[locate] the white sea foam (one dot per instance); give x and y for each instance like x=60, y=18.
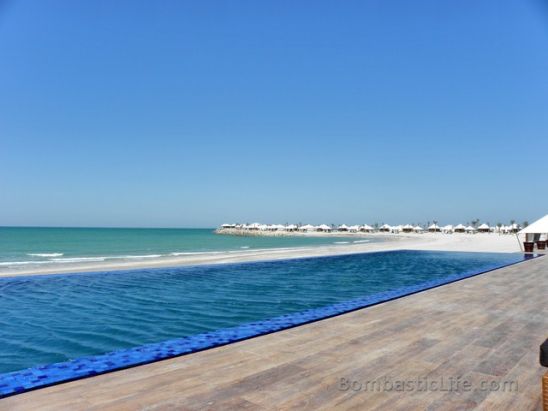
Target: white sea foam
x=138, y=256
x=77, y=259
x=12, y=263
x=341, y=242
x=45, y=254
x=361, y=241
x=196, y=253
x=245, y=247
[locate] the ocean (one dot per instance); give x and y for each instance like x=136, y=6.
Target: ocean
x=28, y=247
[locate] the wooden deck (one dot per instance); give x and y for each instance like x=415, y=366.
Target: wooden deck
x=487, y=328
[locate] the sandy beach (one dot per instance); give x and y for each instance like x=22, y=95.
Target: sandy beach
x=427, y=241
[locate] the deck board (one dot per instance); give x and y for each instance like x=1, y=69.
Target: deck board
x=485, y=328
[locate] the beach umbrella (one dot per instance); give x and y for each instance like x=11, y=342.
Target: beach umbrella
x=354, y=228
x=307, y=227
x=324, y=227
x=418, y=228
x=343, y=227
x=366, y=227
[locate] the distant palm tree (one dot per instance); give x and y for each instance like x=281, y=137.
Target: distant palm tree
x=525, y=224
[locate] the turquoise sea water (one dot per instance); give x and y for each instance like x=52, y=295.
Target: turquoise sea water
x=53, y=318
x=22, y=247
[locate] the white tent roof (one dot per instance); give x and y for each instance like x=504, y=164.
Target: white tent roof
x=434, y=227
x=408, y=226
x=354, y=227
x=448, y=227
x=386, y=226
x=460, y=227
x=470, y=228
x=343, y=226
x=291, y=227
x=324, y=227
x=538, y=227
x=366, y=227
x=307, y=227
x=484, y=227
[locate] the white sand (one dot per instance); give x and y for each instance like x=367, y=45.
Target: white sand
x=427, y=241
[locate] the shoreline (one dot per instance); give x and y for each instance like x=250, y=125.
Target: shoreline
x=425, y=241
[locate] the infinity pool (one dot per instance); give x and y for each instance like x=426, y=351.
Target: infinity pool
x=47, y=319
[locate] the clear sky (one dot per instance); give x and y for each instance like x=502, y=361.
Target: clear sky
x=194, y=113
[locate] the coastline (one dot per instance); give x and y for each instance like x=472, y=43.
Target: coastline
x=425, y=241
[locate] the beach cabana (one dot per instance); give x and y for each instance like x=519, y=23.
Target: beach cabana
x=484, y=228
x=366, y=228
x=434, y=228
x=408, y=228
x=385, y=228
x=470, y=229
x=290, y=227
x=307, y=227
x=342, y=227
x=418, y=229
x=447, y=229
x=354, y=228
x=323, y=228
x=534, y=233
x=459, y=229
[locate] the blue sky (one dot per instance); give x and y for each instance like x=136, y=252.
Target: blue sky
x=180, y=113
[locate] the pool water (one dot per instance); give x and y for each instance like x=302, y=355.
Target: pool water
x=54, y=318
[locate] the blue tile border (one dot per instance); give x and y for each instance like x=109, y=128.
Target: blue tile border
x=18, y=382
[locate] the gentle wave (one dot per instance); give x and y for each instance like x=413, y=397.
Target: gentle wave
x=361, y=241
x=102, y=258
x=138, y=256
x=77, y=259
x=10, y=263
x=245, y=247
x=45, y=254
x=341, y=242
x=197, y=253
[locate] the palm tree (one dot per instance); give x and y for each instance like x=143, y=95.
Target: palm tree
x=525, y=224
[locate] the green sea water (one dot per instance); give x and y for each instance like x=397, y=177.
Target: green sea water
x=21, y=247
